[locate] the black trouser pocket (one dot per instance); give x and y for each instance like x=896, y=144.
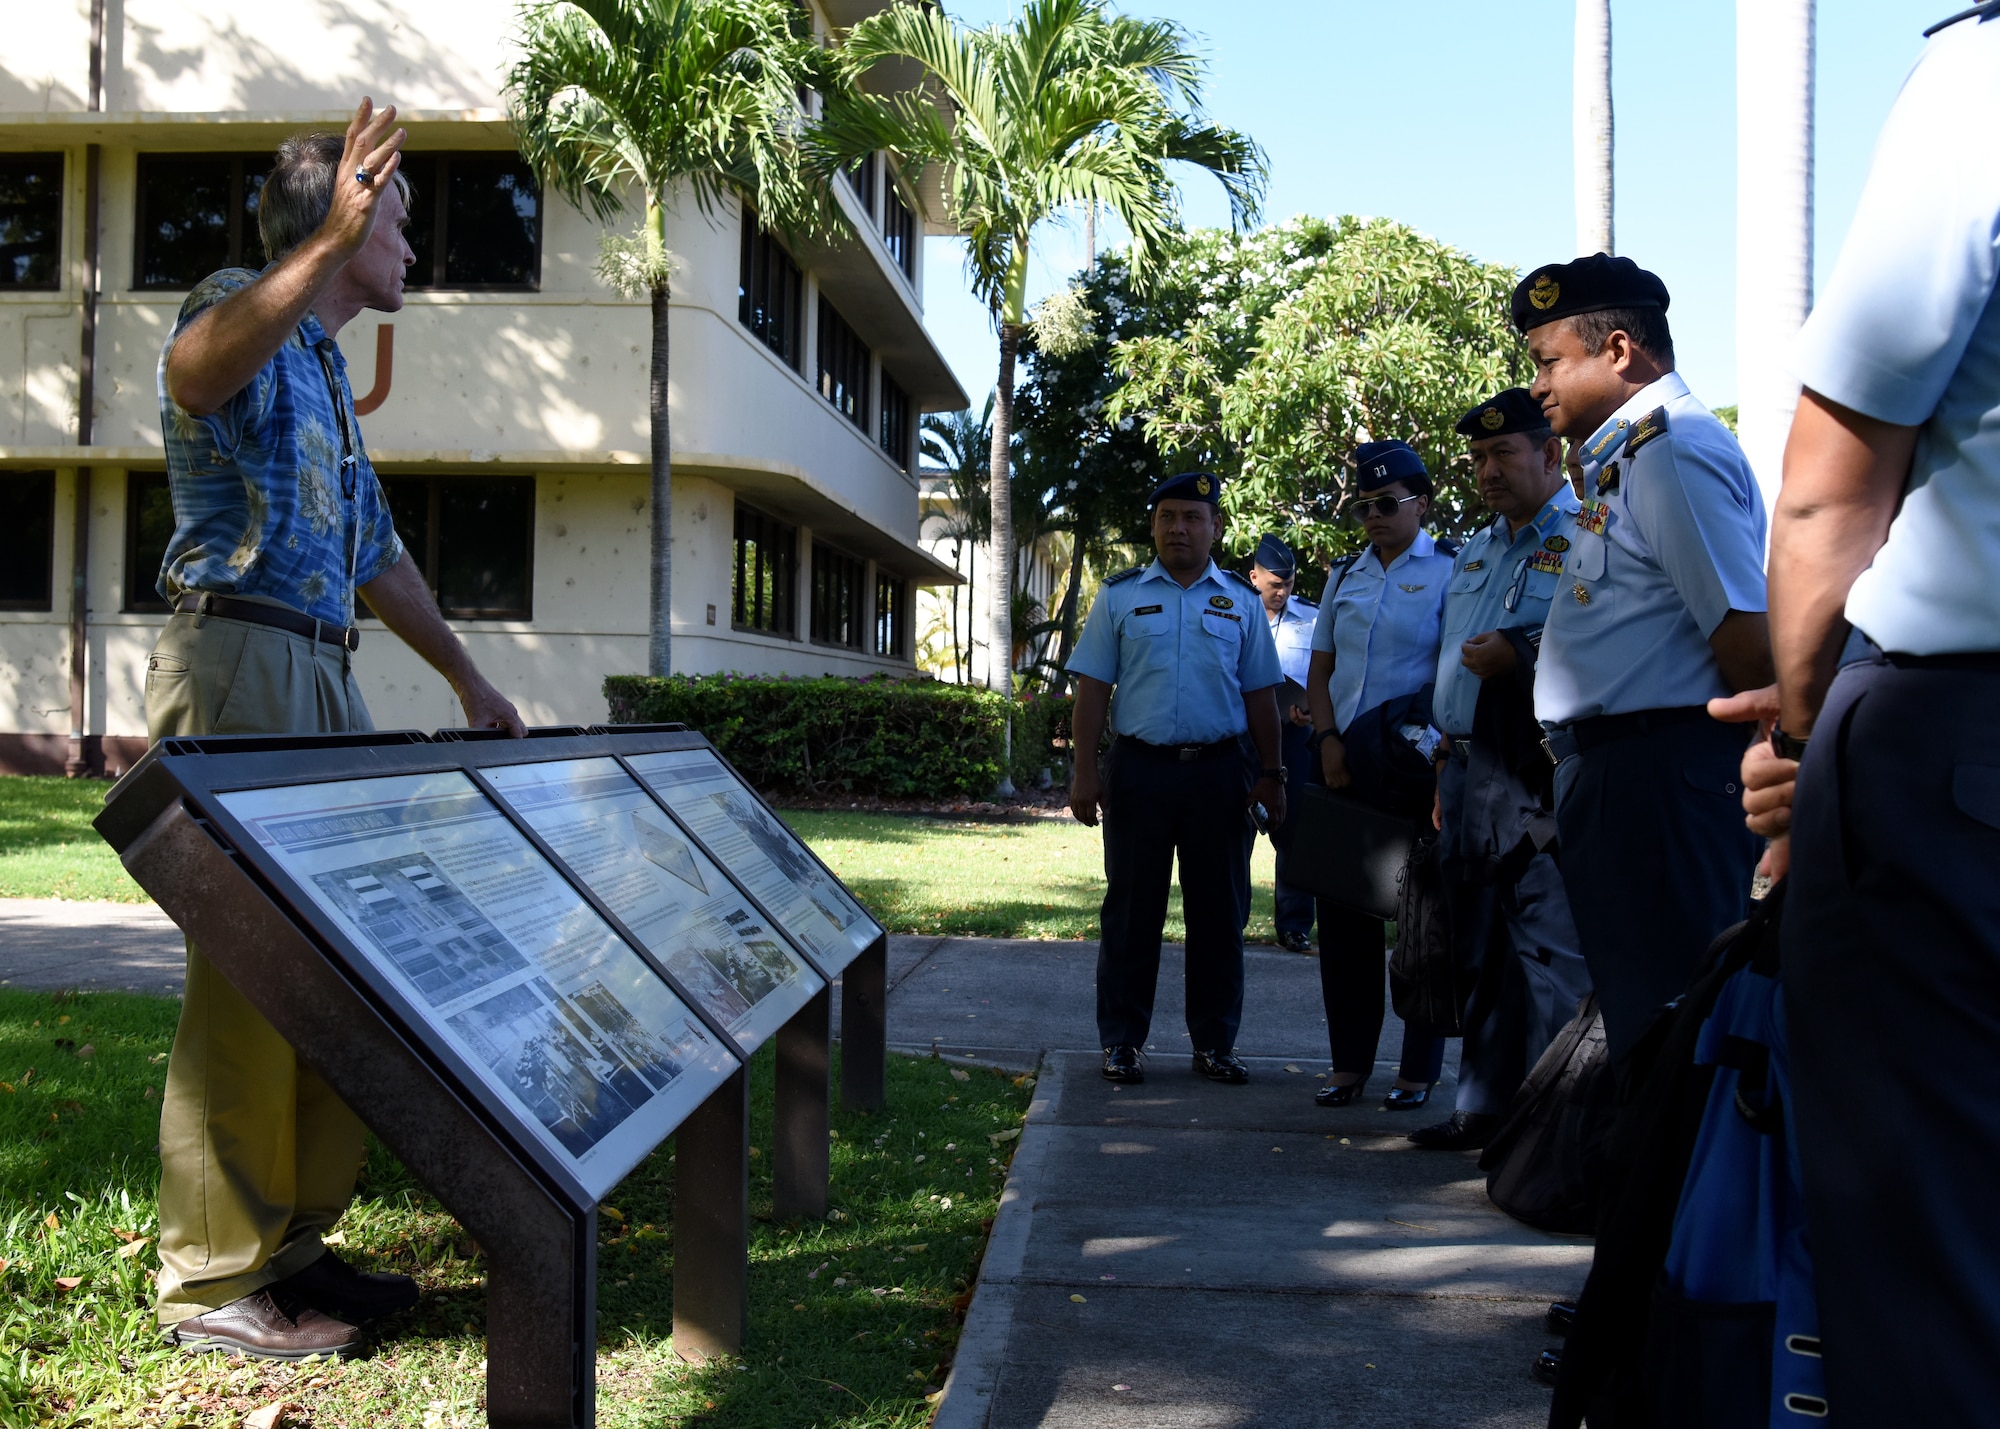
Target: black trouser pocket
x=1708, y=1365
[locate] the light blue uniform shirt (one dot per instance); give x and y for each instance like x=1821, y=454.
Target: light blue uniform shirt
x=1292, y=632
x=1501, y=581
x=1906, y=331
x=1382, y=627
x=1180, y=660
x=1668, y=540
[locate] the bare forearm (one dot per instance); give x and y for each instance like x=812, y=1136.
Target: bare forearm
x=1844, y=474
x=1093, y=699
x=1742, y=646
x=224, y=348
x=1318, y=699
x=1260, y=707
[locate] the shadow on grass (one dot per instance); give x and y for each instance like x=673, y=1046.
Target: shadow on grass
x=38, y=813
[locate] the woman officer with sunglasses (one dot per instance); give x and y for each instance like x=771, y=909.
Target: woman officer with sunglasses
x=1376, y=641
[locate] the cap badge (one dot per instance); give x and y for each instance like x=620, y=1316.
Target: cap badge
x=1203, y=485
x=1493, y=419
x=1222, y=602
x=1545, y=293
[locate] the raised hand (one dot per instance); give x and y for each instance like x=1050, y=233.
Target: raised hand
x=373, y=146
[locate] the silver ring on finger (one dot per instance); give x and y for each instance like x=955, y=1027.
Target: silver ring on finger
x=364, y=178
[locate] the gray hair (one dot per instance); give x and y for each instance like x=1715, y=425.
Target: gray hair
x=299, y=191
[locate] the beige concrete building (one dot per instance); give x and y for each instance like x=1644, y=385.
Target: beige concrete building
x=504, y=406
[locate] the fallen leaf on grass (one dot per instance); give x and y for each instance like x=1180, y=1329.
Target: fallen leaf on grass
x=337, y=1238
x=613, y=1212
x=132, y=1248
x=88, y=1049
x=1293, y=1067
x=7, y=1087
x=269, y=1417
x=51, y=1221
x=959, y=1074
x=68, y=1282
x=999, y=1136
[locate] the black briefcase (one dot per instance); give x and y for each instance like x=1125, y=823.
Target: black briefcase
x=1347, y=851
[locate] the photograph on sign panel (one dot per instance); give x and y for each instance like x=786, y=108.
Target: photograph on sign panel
x=685, y=910
x=513, y=967
x=806, y=900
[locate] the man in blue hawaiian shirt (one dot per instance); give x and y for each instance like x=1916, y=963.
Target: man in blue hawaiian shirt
x=278, y=523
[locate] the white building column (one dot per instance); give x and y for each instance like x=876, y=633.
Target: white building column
x=1774, y=221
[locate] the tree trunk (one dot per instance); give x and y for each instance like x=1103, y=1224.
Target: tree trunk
x=957, y=669
x=1774, y=220
x=1591, y=127
x=1000, y=562
x=1066, y=635
x=660, y=631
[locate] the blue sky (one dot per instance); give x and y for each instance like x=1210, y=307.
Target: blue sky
x=1454, y=117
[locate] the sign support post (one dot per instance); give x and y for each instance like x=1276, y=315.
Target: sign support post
x=864, y=1027
x=712, y=1223
x=801, y=1150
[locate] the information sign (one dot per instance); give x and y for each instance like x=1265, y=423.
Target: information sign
x=664, y=889
x=455, y=907
x=808, y=902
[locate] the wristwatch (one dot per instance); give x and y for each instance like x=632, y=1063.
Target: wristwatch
x=1277, y=774
x=1786, y=746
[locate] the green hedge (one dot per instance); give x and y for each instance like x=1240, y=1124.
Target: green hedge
x=910, y=738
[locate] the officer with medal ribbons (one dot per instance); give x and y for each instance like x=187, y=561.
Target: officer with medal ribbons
x=1660, y=607
x=1528, y=972
x=1186, y=648
x=1274, y=571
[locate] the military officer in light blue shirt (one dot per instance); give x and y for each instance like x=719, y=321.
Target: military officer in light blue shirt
x=1888, y=524
x=1185, y=646
x=1514, y=915
x=1274, y=571
x=1660, y=607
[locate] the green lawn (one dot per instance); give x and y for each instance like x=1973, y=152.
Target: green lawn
x=853, y=1321
x=969, y=878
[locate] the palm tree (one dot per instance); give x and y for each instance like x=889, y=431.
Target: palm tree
x=1591, y=127
x=616, y=100
x=1774, y=219
x=955, y=444
x=1067, y=105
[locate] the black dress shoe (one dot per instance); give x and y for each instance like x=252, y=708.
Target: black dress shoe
x=1466, y=1131
x=1330, y=1095
x=267, y=1327
x=1222, y=1067
x=1548, y=1367
x=1121, y=1064
x=1403, y=1099
x=333, y=1287
x=1295, y=942
x=1561, y=1319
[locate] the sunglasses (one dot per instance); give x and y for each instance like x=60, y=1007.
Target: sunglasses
x=1383, y=506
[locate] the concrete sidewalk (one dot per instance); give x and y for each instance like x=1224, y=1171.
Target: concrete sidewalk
x=1243, y=1258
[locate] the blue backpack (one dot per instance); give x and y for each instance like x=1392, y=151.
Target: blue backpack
x=1733, y=1338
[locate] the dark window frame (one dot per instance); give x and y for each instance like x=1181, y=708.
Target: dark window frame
x=241, y=229
x=892, y=426
x=429, y=560
x=764, y=267
x=892, y=599
x=899, y=227
x=439, y=182
x=839, y=583
x=142, y=595
x=860, y=177
x=843, y=366
x=26, y=162
x=766, y=534
x=46, y=479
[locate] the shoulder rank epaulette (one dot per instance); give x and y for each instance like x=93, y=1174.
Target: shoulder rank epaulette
x=1302, y=603
x=1244, y=581
x=1982, y=12
x=1124, y=575
x=1653, y=424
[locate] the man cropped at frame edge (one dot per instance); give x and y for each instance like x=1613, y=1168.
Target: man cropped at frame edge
x=279, y=522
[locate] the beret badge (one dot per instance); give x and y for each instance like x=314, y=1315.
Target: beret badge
x=1203, y=485
x=1545, y=293
x=1493, y=419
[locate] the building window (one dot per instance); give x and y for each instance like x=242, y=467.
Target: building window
x=765, y=593
x=899, y=229
x=31, y=220
x=28, y=516
x=862, y=178
x=836, y=597
x=843, y=366
x=149, y=525
x=770, y=292
x=197, y=213
x=894, y=431
x=892, y=596
x=475, y=222
x=474, y=539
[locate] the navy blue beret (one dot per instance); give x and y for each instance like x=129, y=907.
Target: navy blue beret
x=1276, y=557
x=1188, y=486
x=1587, y=285
x=1377, y=464
x=1510, y=411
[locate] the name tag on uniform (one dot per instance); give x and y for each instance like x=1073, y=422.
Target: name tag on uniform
x=1592, y=515
x=1475, y=565
x=1149, y=610
x=1224, y=615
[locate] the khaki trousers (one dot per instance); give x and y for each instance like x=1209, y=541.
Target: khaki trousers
x=257, y=1155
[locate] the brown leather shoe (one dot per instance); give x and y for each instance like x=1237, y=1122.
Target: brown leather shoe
x=258, y=1327
x=333, y=1287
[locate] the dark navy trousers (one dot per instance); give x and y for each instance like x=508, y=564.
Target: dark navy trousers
x=1891, y=955
x=1157, y=810
x=1354, y=985
x=1656, y=861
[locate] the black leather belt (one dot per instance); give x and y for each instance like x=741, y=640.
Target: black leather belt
x=1184, y=753
x=276, y=616
x=1600, y=730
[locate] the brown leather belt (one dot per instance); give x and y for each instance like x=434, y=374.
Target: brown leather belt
x=276, y=616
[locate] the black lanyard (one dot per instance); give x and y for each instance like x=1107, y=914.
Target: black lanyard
x=349, y=462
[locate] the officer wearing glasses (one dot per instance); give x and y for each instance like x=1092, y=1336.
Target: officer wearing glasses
x=1376, y=641
x=1187, y=648
x=1494, y=777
